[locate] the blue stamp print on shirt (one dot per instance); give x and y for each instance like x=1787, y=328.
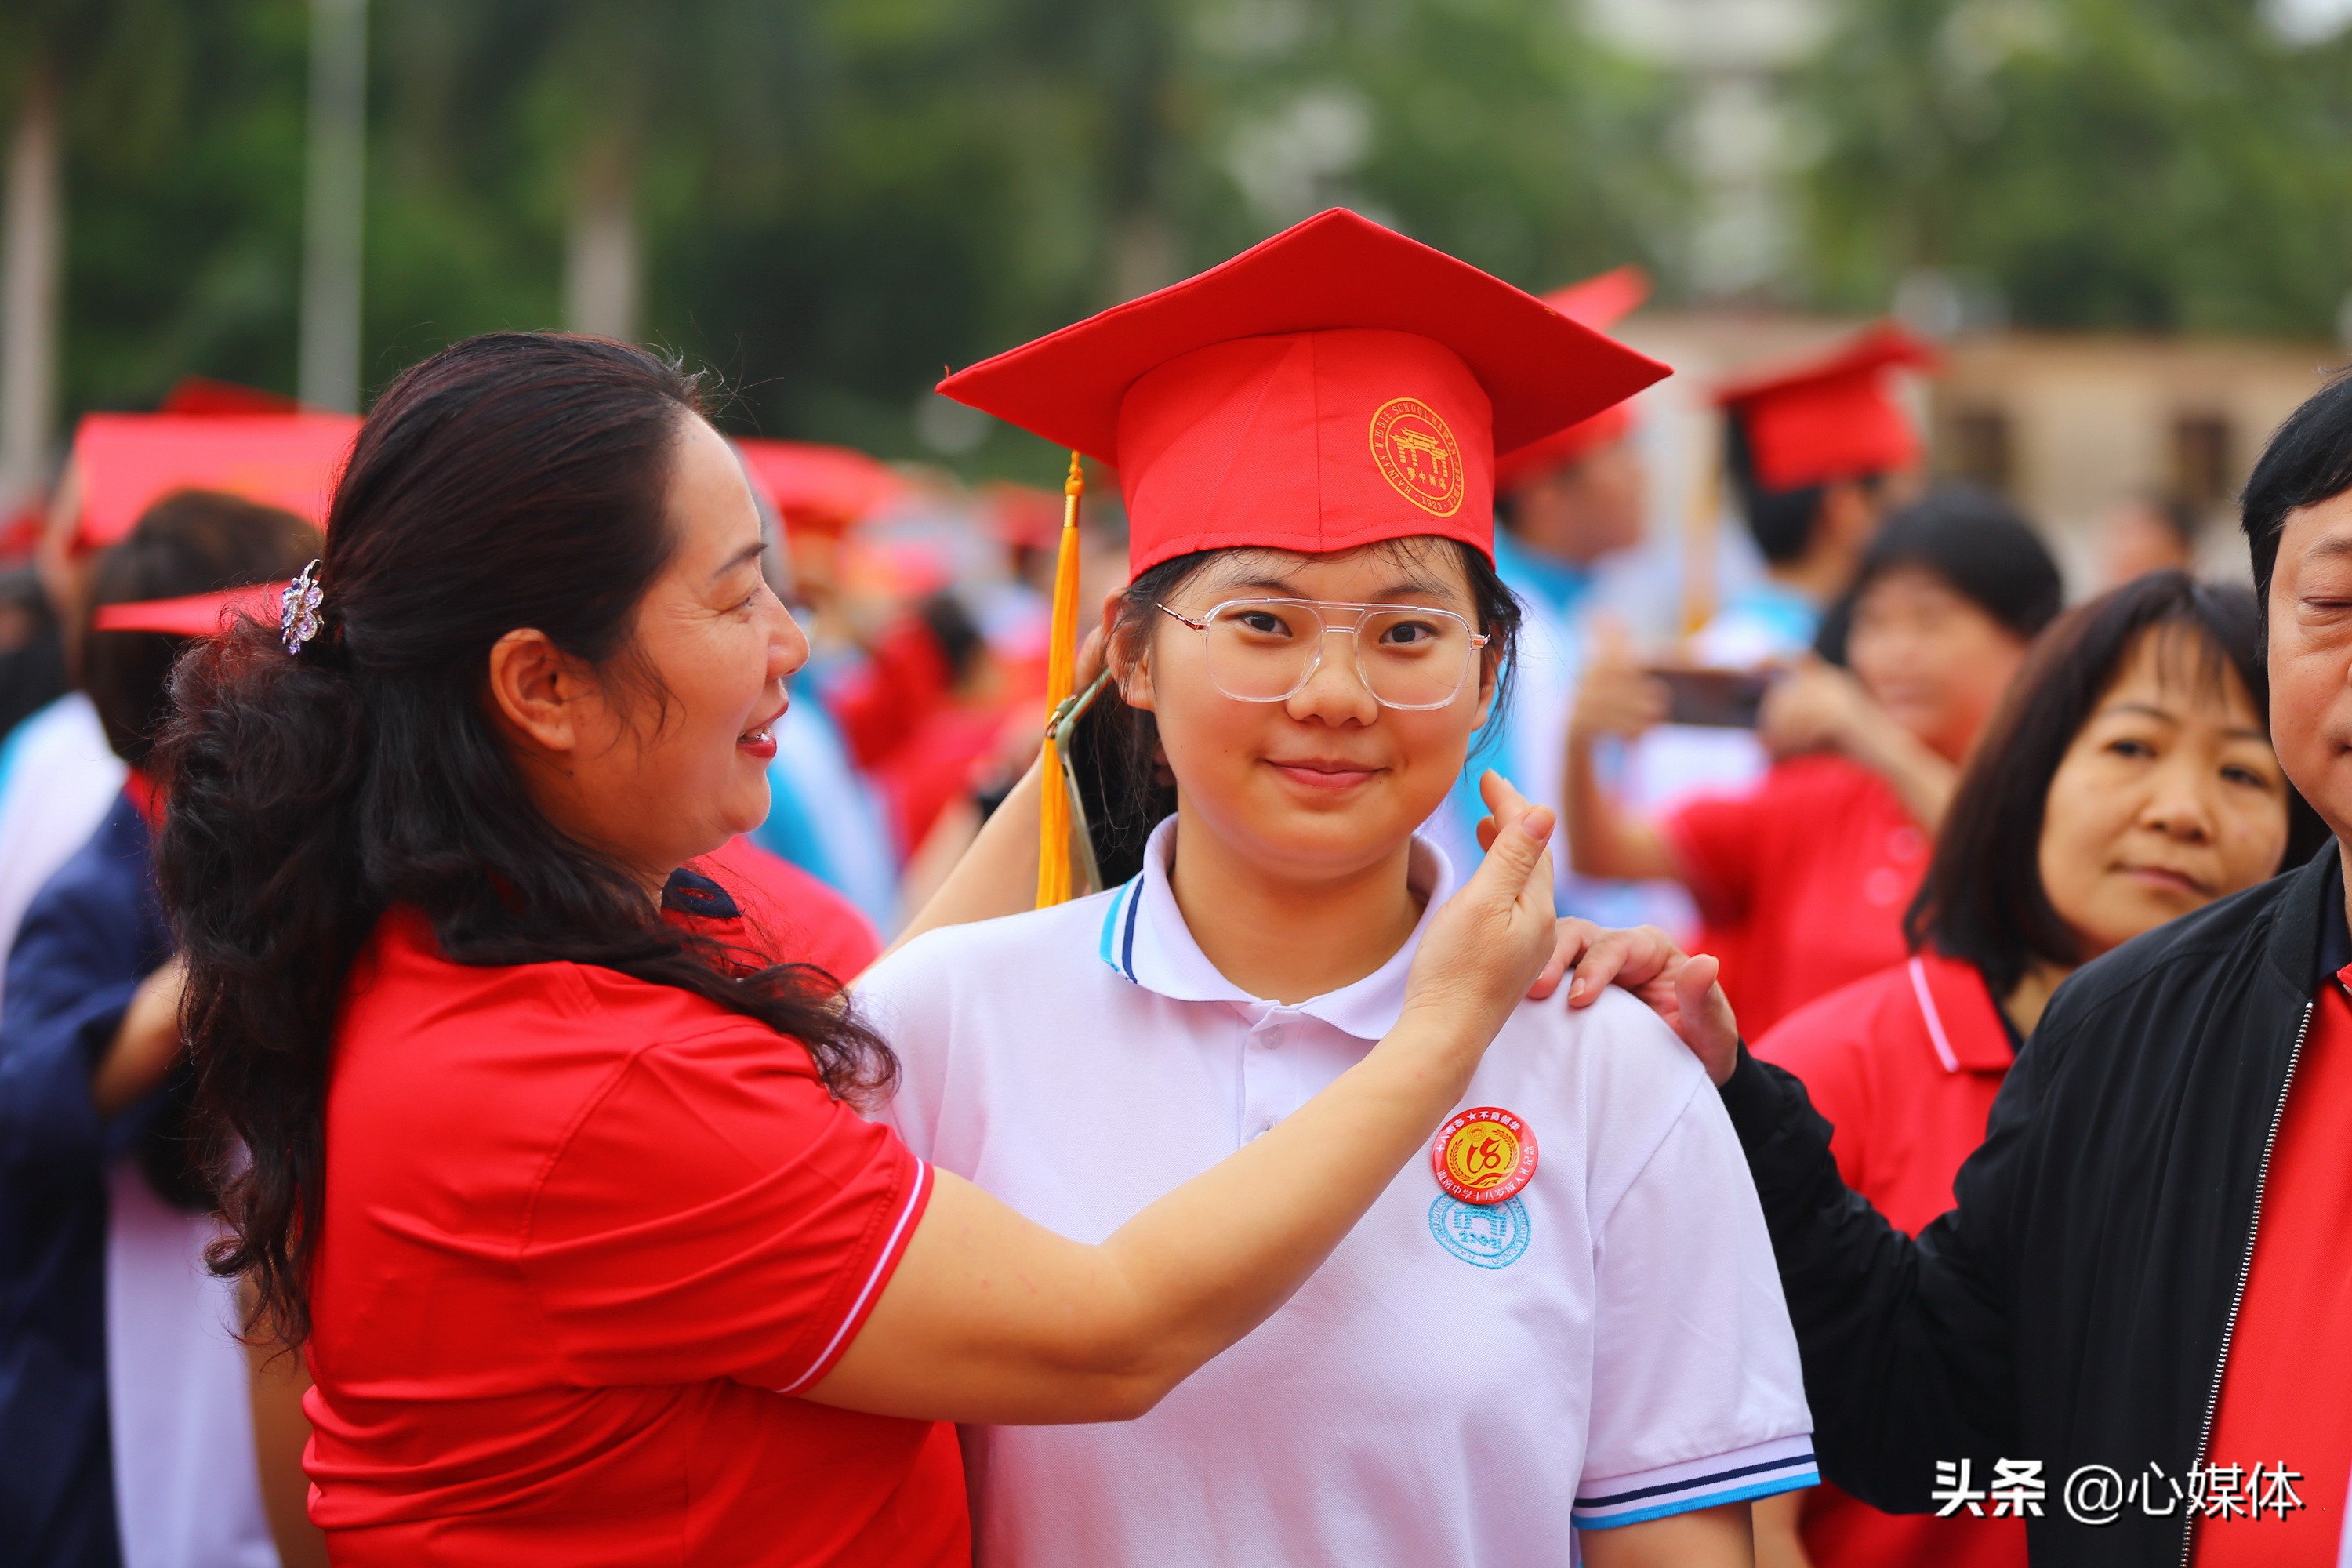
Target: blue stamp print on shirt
x=1491, y=1235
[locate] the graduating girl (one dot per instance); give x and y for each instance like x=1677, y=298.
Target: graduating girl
x=1566, y=1318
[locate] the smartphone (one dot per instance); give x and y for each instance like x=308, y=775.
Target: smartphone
x=1718, y=699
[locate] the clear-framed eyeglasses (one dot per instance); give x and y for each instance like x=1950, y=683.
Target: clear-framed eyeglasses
x=1265, y=651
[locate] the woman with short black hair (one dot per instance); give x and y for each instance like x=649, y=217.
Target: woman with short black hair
x=2127, y=780
x=2129, y=1325
x=1803, y=877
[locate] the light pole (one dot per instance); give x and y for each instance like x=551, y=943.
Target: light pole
x=332, y=206
x=31, y=248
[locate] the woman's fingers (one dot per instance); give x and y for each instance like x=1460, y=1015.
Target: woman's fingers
x=1632, y=958
x=1570, y=937
x=1490, y=941
x=1092, y=652
x=1703, y=1018
x=1680, y=988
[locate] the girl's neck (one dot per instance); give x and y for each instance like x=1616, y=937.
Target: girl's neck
x=2030, y=994
x=1288, y=938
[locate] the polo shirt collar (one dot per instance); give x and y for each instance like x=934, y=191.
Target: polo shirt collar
x=1964, y=1023
x=1145, y=938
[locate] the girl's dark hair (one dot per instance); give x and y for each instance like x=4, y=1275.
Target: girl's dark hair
x=1123, y=781
x=191, y=541
x=1976, y=543
x=1780, y=522
x=1982, y=899
x=517, y=480
x=32, y=654
x=2308, y=460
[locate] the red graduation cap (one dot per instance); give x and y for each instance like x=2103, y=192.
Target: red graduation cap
x=1600, y=303
x=129, y=461
x=1336, y=385
x=819, y=486
x=203, y=395
x=1832, y=418
x=195, y=615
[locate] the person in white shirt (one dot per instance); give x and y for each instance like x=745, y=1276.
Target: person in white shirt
x=1564, y=1329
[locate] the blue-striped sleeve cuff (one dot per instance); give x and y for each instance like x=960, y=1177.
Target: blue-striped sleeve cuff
x=1783, y=1464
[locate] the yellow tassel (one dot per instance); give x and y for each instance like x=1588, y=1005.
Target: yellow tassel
x=1061, y=678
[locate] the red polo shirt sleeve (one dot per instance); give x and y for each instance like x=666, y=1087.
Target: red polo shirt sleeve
x=1714, y=841
x=715, y=1214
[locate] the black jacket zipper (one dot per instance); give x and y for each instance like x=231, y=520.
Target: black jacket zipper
x=2238, y=1295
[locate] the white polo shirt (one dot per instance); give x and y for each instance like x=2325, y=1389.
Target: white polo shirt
x=1457, y=1384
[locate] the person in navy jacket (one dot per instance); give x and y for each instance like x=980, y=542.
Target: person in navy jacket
x=95, y=1095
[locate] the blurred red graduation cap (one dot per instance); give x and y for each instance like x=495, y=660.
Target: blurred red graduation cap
x=1335, y=385
x=126, y=462
x=1023, y=514
x=195, y=615
x=1600, y=303
x=203, y=395
x=813, y=486
x=1834, y=417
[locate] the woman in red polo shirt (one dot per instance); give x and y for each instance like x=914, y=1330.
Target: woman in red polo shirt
x=1802, y=879
x=2127, y=780
x=556, y=1183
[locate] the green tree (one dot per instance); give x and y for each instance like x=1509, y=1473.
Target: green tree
x=2151, y=164
x=829, y=199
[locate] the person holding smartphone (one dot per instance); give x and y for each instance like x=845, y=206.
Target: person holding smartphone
x=1803, y=877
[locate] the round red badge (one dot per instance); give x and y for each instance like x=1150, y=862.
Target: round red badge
x=1484, y=1156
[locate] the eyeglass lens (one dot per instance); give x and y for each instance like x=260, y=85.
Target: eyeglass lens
x=1409, y=657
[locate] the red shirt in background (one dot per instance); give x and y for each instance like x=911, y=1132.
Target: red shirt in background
x=585, y=1239
x=789, y=916
x=1808, y=874
x=2286, y=1388
x=1904, y=1064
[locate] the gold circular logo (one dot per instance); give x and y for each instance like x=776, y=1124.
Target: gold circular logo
x=1417, y=454
x=1484, y=1156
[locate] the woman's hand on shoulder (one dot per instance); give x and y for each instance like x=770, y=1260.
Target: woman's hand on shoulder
x=1680, y=988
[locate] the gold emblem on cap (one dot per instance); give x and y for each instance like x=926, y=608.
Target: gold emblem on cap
x=1417, y=454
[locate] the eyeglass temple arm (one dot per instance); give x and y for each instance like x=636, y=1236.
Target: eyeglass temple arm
x=1180, y=615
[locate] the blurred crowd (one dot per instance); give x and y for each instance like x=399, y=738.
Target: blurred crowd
x=1848, y=737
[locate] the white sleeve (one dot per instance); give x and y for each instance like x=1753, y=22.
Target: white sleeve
x=901, y=999
x=1697, y=1397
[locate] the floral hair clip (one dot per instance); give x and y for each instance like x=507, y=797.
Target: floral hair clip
x=298, y=620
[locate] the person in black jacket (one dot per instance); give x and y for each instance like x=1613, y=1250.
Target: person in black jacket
x=2177, y=1130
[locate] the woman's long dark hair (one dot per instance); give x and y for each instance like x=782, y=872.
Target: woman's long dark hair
x=517, y=480
x=1123, y=781
x=1982, y=899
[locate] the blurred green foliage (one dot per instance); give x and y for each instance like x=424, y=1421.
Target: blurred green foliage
x=2149, y=164
x=836, y=197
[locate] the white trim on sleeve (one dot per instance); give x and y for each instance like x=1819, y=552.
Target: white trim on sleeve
x=1760, y=1470
x=881, y=1263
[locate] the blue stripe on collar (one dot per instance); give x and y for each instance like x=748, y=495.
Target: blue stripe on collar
x=1129, y=895
x=1127, y=949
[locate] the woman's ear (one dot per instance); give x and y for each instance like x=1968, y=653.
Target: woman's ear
x=1132, y=675
x=537, y=691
